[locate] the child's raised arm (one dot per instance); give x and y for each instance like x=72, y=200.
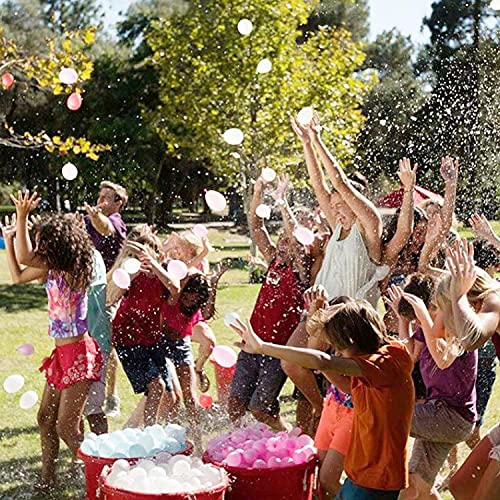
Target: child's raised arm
x=363, y=208
x=308, y=358
x=19, y=274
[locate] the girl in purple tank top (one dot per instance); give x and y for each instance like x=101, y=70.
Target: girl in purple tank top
x=62, y=257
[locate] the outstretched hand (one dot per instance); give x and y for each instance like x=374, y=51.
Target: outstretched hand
x=449, y=169
x=406, y=174
x=94, y=210
x=8, y=227
x=250, y=343
x=279, y=193
x=300, y=131
x=418, y=305
x=393, y=298
x=25, y=203
x=460, y=262
x=481, y=227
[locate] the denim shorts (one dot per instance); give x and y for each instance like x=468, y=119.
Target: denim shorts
x=144, y=364
x=257, y=382
x=351, y=491
x=179, y=351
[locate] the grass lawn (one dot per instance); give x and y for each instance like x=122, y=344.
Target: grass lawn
x=23, y=318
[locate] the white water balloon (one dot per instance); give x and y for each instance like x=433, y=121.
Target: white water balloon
x=131, y=265
x=68, y=76
x=264, y=66
x=200, y=231
x=233, y=136
x=305, y=116
x=263, y=211
x=215, y=200
x=268, y=174
x=13, y=383
x=28, y=400
x=121, y=278
x=69, y=172
x=304, y=235
x=245, y=27
x=177, y=269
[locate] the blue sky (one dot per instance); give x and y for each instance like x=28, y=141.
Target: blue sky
x=406, y=15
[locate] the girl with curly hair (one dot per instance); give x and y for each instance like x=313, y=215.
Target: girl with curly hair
x=62, y=257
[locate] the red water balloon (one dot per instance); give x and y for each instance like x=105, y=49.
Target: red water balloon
x=7, y=80
x=205, y=401
x=74, y=101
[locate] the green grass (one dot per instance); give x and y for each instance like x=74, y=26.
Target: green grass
x=23, y=318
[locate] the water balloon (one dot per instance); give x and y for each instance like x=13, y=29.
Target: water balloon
x=245, y=27
x=383, y=122
x=69, y=171
x=263, y=211
x=205, y=401
x=26, y=349
x=28, y=400
x=495, y=5
x=7, y=80
x=231, y=318
x=13, y=383
x=264, y=66
x=304, y=235
x=74, y=101
x=233, y=136
x=121, y=278
x=268, y=174
x=224, y=356
x=68, y=76
x=215, y=201
x=305, y=116
x=177, y=269
x=200, y=230
x=131, y=265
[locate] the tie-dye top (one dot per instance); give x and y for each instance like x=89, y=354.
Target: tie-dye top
x=67, y=308
x=340, y=397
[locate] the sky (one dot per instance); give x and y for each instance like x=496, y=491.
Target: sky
x=406, y=15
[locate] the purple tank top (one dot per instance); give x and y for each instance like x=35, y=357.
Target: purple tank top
x=67, y=308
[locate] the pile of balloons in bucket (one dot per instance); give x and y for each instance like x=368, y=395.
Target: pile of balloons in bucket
x=155, y=463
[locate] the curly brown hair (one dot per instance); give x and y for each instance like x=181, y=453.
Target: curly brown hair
x=63, y=241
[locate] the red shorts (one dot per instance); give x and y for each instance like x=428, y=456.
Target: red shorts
x=72, y=363
x=335, y=427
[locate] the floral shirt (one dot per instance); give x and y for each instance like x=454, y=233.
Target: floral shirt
x=67, y=308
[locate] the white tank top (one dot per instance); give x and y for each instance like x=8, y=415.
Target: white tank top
x=348, y=270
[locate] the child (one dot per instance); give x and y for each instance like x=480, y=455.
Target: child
x=63, y=258
x=136, y=326
x=377, y=372
x=258, y=379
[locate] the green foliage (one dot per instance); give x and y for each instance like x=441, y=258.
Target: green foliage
x=208, y=84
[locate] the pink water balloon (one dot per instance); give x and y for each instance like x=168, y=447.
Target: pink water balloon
x=215, y=200
x=74, y=101
x=7, y=80
x=224, y=356
x=234, y=458
x=177, y=269
x=304, y=235
x=259, y=464
x=200, y=230
x=121, y=278
x=26, y=349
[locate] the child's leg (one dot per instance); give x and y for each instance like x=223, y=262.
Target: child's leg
x=465, y=481
x=47, y=420
x=242, y=386
x=488, y=488
x=302, y=377
x=136, y=419
x=156, y=390
x=112, y=398
x=203, y=335
x=187, y=378
x=70, y=412
x=330, y=472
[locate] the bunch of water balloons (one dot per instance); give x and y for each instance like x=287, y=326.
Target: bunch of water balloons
x=257, y=447
x=136, y=443
x=165, y=474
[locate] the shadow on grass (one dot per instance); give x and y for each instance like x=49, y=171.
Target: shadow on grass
x=15, y=298
x=18, y=478
x=17, y=431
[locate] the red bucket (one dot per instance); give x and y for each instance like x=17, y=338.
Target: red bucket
x=94, y=466
x=214, y=493
x=285, y=483
x=223, y=379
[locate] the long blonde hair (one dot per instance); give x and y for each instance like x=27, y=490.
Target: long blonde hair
x=483, y=285
x=142, y=233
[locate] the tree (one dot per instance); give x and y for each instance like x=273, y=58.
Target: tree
x=208, y=83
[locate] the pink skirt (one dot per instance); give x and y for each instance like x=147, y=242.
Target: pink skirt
x=72, y=363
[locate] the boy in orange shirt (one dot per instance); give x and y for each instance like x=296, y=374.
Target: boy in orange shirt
x=377, y=372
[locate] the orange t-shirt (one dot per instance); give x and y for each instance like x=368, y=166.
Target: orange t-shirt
x=384, y=399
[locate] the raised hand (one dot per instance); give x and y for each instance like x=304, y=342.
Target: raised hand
x=301, y=132
x=280, y=191
x=449, y=169
x=25, y=203
x=315, y=297
x=393, y=298
x=250, y=343
x=220, y=269
x=94, y=210
x=418, y=305
x=8, y=227
x=406, y=174
x=481, y=227
x=460, y=262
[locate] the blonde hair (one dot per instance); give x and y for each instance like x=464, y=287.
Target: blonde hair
x=142, y=233
x=483, y=285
